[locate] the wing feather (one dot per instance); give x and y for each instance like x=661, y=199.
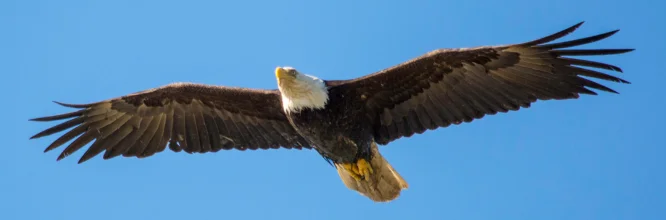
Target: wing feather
x=451, y=86
x=213, y=131
x=158, y=142
x=431, y=107
x=589, y=63
x=134, y=132
x=188, y=117
x=180, y=129
x=128, y=145
x=202, y=128
x=192, y=133
x=77, y=144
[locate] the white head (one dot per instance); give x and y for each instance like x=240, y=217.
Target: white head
x=300, y=91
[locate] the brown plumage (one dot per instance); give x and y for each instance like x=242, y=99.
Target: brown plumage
x=438, y=89
x=451, y=86
x=189, y=117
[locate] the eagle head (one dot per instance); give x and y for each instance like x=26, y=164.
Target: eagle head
x=300, y=91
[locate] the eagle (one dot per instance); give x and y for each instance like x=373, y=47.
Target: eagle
x=342, y=120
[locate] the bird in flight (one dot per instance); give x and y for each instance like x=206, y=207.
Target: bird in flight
x=343, y=120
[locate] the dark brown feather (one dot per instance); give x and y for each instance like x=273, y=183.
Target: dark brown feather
x=451, y=86
x=126, y=142
x=589, y=63
x=203, y=130
x=77, y=144
x=191, y=117
x=158, y=142
x=577, y=42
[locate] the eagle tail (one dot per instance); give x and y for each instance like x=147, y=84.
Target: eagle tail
x=381, y=184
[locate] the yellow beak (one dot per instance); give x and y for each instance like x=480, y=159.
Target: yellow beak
x=280, y=72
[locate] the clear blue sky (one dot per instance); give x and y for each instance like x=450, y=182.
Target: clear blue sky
x=599, y=157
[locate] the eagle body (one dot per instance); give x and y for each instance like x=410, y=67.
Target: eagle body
x=339, y=131
x=343, y=120
x=336, y=131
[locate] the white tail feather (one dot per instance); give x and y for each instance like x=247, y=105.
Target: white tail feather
x=383, y=185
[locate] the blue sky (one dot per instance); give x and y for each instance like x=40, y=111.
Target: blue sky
x=598, y=157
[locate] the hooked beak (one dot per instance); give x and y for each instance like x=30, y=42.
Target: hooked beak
x=280, y=73
x=284, y=75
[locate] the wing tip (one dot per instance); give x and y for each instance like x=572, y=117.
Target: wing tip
x=612, y=91
x=85, y=158
x=625, y=50
x=65, y=115
x=554, y=36
x=72, y=105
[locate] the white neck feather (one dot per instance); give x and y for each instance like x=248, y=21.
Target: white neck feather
x=304, y=92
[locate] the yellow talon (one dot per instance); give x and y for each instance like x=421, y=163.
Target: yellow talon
x=356, y=176
x=347, y=166
x=359, y=170
x=364, y=167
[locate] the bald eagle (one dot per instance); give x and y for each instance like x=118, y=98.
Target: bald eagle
x=343, y=120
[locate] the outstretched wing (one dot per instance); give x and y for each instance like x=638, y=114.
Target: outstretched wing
x=189, y=117
x=451, y=86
